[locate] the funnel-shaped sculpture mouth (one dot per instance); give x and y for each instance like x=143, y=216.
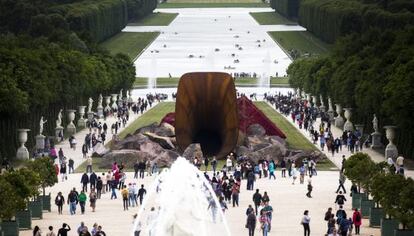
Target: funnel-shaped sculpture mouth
x=206, y=112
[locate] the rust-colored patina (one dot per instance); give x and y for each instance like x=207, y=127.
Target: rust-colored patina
x=206, y=112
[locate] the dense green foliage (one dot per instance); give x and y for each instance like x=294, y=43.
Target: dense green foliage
x=49, y=60
x=288, y=8
x=394, y=193
x=96, y=20
x=360, y=169
x=371, y=66
x=372, y=73
x=137, y=9
x=331, y=19
x=46, y=169
x=391, y=191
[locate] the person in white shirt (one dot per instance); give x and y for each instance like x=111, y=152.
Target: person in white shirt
x=305, y=222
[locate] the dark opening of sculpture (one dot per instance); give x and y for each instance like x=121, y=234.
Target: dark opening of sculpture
x=206, y=112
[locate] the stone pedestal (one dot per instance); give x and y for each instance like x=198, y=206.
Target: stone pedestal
x=90, y=116
x=348, y=126
x=360, y=127
x=99, y=112
x=331, y=111
x=58, y=131
x=390, y=150
x=22, y=152
x=376, y=140
x=114, y=98
x=339, y=120
x=40, y=142
x=71, y=128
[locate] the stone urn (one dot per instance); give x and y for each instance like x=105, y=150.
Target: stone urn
x=348, y=126
x=81, y=121
x=71, y=128
x=339, y=120
x=390, y=150
x=22, y=152
x=108, y=104
x=114, y=99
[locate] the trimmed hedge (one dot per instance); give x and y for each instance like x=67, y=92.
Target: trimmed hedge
x=331, y=19
x=97, y=19
x=287, y=8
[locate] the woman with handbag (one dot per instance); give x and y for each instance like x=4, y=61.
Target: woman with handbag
x=265, y=222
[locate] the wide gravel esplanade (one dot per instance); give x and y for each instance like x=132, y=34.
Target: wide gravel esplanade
x=210, y=36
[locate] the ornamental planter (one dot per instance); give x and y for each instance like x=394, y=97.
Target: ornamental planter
x=388, y=226
x=46, y=202
x=10, y=228
x=24, y=218
x=400, y=232
x=366, y=205
x=375, y=216
x=356, y=199
x=37, y=208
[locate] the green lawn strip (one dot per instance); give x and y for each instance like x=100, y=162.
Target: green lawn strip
x=210, y=5
x=173, y=82
x=149, y=117
x=295, y=139
x=155, y=19
x=302, y=41
x=129, y=43
x=270, y=18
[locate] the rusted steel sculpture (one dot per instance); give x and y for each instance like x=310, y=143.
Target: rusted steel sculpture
x=206, y=112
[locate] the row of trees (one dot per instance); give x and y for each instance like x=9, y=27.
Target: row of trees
x=331, y=19
x=372, y=73
x=50, y=59
x=391, y=191
x=20, y=186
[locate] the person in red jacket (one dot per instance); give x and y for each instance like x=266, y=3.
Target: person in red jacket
x=357, y=219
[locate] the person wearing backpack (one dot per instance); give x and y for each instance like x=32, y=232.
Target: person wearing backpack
x=340, y=199
x=357, y=219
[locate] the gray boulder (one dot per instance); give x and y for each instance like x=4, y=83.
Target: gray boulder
x=256, y=130
x=193, y=150
x=131, y=142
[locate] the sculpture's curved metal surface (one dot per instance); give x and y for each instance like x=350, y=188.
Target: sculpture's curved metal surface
x=206, y=112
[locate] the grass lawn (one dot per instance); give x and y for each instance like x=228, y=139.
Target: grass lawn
x=270, y=18
x=295, y=139
x=149, y=117
x=131, y=44
x=210, y=4
x=302, y=41
x=173, y=82
x=155, y=19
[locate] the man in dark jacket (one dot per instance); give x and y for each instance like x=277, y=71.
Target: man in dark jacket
x=251, y=223
x=136, y=169
x=85, y=181
x=257, y=199
x=92, y=180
